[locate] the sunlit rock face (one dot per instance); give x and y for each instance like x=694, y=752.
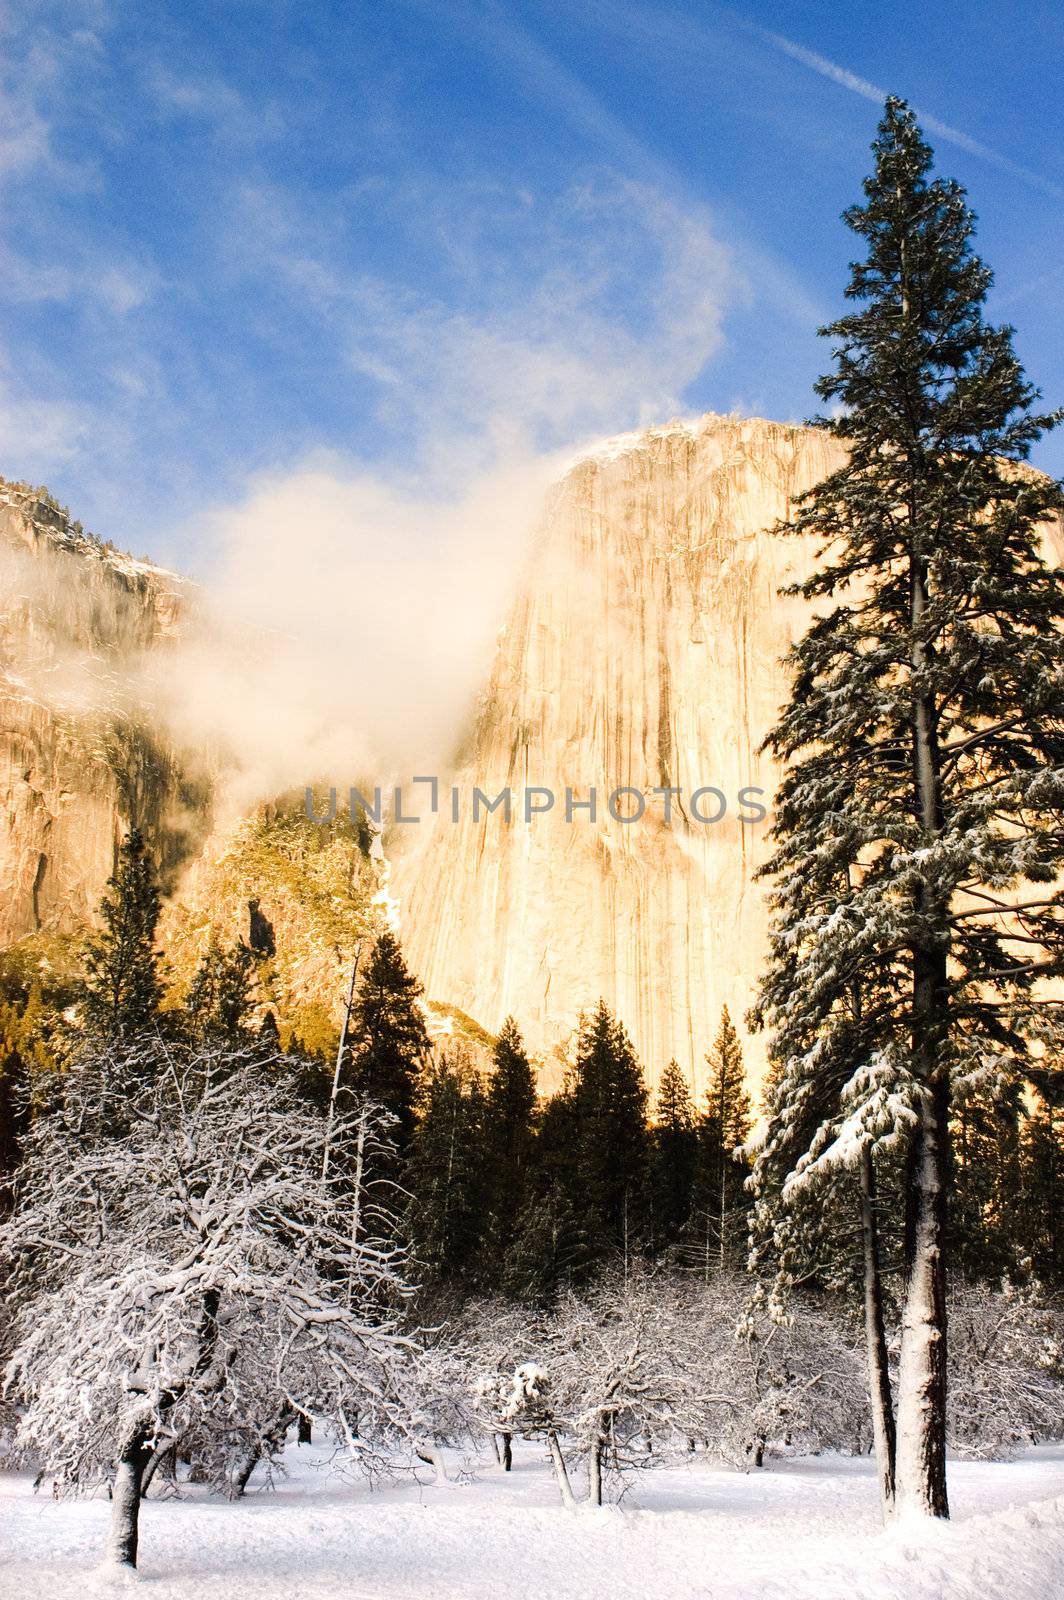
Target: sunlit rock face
x=78, y=758
x=643, y=651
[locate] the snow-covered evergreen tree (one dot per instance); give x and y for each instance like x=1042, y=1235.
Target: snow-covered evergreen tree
x=917, y=831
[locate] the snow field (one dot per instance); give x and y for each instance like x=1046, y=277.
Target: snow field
x=799, y=1530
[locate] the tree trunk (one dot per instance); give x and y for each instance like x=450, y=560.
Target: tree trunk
x=723, y=1181
x=921, y=1446
x=883, y=1432
x=271, y=1439
x=921, y=1449
x=507, y=1452
x=594, y=1472
x=558, y=1462
x=244, y=1471
x=305, y=1434
x=340, y=1049
x=133, y=1458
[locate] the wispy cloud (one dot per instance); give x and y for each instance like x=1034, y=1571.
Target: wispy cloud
x=511, y=48
x=1044, y=280
x=351, y=620
x=211, y=100
x=942, y=130
x=37, y=435
x=39, y=56
x=569, y=315
x=573, y=313
x=24, y=135
x=83, y=275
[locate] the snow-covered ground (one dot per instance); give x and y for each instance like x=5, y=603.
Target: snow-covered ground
x=799, y=1530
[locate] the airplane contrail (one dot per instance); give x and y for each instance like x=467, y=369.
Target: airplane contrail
x=943, y=130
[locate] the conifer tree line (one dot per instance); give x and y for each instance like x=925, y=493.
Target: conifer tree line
x=501, y=1189
x=509, y=1190
x=911, y=1135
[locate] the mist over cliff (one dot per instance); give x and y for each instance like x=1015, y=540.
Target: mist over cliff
x=643, y=651
x=640, y=649
x=81, y=752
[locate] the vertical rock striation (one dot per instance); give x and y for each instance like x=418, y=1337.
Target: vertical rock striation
x=642, y=652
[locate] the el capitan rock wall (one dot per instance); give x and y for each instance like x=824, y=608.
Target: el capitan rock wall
x=643, y=651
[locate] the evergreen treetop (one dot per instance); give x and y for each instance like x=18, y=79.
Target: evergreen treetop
x=511, y=1096
x=716, y=1235
x=390, y=1042
x=674, y=1109
x=674, y=1154
x=446, y=1173
x=609, y=1103
x=728, y=1105
x=123, y=987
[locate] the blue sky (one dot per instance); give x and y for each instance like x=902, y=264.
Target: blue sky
x=410, y=238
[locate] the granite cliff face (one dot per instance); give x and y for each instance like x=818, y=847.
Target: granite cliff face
x=79, y=756
x=642, y=652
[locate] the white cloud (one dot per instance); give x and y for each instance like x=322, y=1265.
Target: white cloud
x=24, y=136
x=208, y=98
x=39, y=60
x=576, y=313
x=381, y=590
x=117, y=284
x=37, y=435
x=349, y=623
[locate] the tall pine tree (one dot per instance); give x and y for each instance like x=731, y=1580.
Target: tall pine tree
x=717, y=1234
x=123, y=987
x=446, y=1174
x=674, y=1156
x=390, y=1043
x=609, y=1106
x=510, y=1103
x=917, y=837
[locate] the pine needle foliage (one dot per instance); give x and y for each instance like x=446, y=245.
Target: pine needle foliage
x=918, y=839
